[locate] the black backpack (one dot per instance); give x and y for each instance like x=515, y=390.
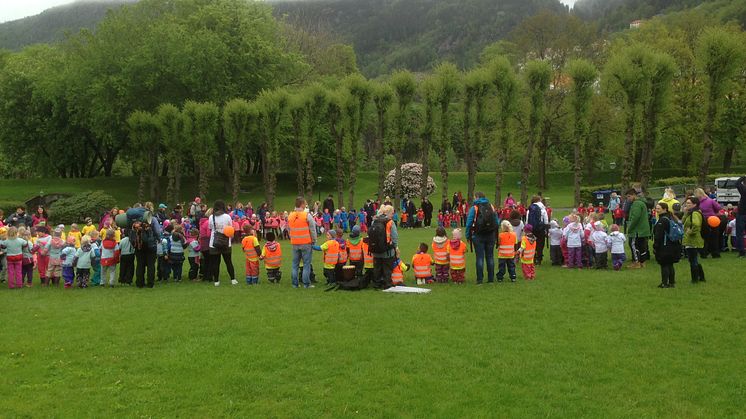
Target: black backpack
x=534, y=218
x=484, y=222
x=377, y=240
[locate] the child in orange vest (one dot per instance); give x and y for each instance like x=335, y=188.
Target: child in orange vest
x=250, y=246
x=457, y=257
x=367, y=263
x=421, y=263
x=397, y=275
x=272, y=257
x=355, y=251
x=440, y=251
x=343, y=254
x=506, y=251
x=527, y=251
x=331, y=256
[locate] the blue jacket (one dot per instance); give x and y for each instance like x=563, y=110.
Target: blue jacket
x=470, y=216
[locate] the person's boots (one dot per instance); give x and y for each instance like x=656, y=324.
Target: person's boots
x=701, y=273
x=672, y=280
x=695, y=274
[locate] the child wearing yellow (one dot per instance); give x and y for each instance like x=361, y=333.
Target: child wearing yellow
x=457, y=257
x=272, y=257
x=367, y=263
x=88, y=227
x=527, y=252
x=76, y=234
x=397, y=275
x=331, y=256
x=250, y=246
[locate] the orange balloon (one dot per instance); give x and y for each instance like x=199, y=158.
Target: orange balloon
x=229, y=231
x=713, y=221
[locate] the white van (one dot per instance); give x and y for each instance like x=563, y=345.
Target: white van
x=727, y=193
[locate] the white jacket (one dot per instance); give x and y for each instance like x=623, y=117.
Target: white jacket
x=617, y=240
x=600, y=241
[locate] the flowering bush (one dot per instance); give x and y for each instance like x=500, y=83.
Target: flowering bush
x=411, y=177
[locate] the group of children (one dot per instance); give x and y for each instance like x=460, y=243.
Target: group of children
x=586, y=242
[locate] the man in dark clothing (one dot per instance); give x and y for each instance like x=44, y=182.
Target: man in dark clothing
x=370, y=211
x=328, y=205
x=412, y=213
x=19, y=218
x=741, y=216
x=482, y=238
x=427, y=208
x=143, y=239
x=539, y=221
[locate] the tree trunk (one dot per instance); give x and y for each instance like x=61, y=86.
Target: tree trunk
x=236, y=178
x=141, y=186
x=728, y=158
x=310, y=180
x=204, y=180
x=352, y=180
x=578, y=166
x=176, y=170
x=707, y=144
x=646, y=172
x=379, y=154
x=444, y=174
x=339, y=137
x=526, y=167
x=424, y=162
x=543, y=145
x=502, y=156
x=629, y=149
x=469, y=148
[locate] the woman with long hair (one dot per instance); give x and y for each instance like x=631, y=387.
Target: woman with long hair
x=693, y=241
x=217, y=223
x=667, y=252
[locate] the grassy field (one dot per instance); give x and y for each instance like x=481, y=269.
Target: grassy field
x=570, y=344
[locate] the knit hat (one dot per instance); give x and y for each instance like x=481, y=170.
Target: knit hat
x=528, y=228
x=162, y=206
x=355, y=232
x=198, y=200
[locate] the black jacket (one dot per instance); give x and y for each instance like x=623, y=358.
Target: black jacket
x=666, y=251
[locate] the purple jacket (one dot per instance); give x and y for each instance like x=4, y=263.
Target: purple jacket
x=709, y=207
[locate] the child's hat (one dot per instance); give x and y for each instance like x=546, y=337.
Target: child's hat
x=528, y=228
x=88, y=220
x=553, y=224
x=162, y=206
x=355, y=233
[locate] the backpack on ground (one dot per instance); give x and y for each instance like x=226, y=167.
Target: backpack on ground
x=378, y=241
x=484, y=220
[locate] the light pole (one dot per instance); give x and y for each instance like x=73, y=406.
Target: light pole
x=318, y=181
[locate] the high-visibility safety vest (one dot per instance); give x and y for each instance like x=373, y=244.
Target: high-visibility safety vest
x=356, y=251
x=457, y=256
x=397, y=275
x=331, y=256
x=272, y=258
x=529, y=249
x=441, y=253
x=342, y=253
x=506, y=249
x=249, y=249
x=367, y=257
x=299, y=228
x=421, y=263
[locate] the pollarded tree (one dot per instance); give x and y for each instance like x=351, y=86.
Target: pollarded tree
x=271, y=106
x=360, y=92
x=476, y=88
x=171, y=124
x=144, y=133
x=404, y=87
x=538, y=76
x=297, y=111
x=583, y=74
x=239, y=122
x=201, y=125
x=428, y=92
x=661, y=73
x=720, y=55
x=382, y=98
x=335, y=117
x=448, y=85
x=506, y=83
x=315, y=107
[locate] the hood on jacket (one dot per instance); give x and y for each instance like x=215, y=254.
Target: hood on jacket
x=272, y=246
x=440, y=240
x=455, y=244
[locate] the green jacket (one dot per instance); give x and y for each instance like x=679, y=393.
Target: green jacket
x=638, y=223
x=693, y=231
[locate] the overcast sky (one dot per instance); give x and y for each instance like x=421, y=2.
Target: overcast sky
x=16, y=9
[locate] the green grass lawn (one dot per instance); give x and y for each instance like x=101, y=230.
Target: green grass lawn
x=570, y=344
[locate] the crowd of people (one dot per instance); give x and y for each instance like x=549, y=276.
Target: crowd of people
x=148, y=244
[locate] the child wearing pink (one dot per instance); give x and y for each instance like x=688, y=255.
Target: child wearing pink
x=41, y=248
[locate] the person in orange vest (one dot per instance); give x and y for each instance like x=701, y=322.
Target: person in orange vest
x=457, y=257
x=397, y=273
x=355, y=251
x=440, y=253
x=527, y=252
x=421, y=263
x=302, y=229
x=506, y=251
x=272, y=257
x=331, y=256
x=251, y=249
x=342, y=255
x=367, y=263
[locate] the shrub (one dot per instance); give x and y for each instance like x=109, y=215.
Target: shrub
x=79, y=206
x=9, y=206
x=411, y=177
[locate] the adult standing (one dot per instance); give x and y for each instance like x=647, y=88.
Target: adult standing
x=638, y=230
x=195, y=208
x=40, y=216
x=384, y=235
x=145, y=242
x=741, y=216
x=302, y=237
x=667, y=251
x=712, y=235
x=204, y=245
x=538, y=218
x=411, y=213
x=19, y=218
x=427, y=208
x=481, y=232
x=693, y=241
x=445, y=207
x=329, y=204
x=162, y=215
x=370, y=211
x=217, y=222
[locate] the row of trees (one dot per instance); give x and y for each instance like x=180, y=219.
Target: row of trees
x=165, y=102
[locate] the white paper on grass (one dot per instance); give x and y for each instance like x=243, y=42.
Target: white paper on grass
x=407, y=290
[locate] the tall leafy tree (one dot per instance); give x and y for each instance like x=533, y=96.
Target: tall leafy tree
x=538, y=75
x=144, y=132
x=405, y=87
x=583, y=74
x=720, y=55
x=201, y=126
x=335, y=117
x=271, y=108
x=448, y=87
x=315, y=107
x=360, y=93
x=732, y=126
x=507, y=85
x=382, y=98
x=171, y=124
x=297, y=112
x=429, y=95
x=476, y=87
x=239, y=123
x=661, y=72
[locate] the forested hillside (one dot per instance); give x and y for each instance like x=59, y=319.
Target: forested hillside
x=52, y=24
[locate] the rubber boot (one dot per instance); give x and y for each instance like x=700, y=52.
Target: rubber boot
x=695, y=274
x=701, y=273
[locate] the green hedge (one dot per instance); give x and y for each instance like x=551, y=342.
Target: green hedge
x=10, y=206
x=79, y=206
